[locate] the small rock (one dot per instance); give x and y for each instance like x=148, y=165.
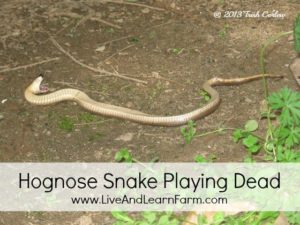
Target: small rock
x=125, y=137
x=4, y=100
x=68, y=135
x=173, y=5
x=48, y=133
x=98, y=155
x=146, y=10
x=295, y=68
x=100, y=49
x=83, y=220
x=248, y=100
x=129, y=105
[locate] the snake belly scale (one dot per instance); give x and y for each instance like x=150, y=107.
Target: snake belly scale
x=36, y=94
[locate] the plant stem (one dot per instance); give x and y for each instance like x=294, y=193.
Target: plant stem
x=262, y=65
x=214, y=131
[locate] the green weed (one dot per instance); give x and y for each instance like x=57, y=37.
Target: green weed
x=202, y=159
x=224, y=31
x=66, y=124
x=189, y=132
x=146, y=218
x=177, y=51
x=204, y=95
x=297, y=34
x=123, y=155
x=134, y=40
x=87, y=117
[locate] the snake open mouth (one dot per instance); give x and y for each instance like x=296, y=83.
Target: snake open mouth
x=43, y=88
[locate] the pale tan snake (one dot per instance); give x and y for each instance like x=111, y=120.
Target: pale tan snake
x=35, y=94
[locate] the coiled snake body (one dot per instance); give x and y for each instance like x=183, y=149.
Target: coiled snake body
x=35, y=94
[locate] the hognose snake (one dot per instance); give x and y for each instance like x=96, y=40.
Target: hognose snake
x=35, y=93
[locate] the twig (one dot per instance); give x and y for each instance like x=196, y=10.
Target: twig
x=29, y=65
x=104, y=22
x=102, y=71
x=75, y=87
x=133, y=4
x=114, y=40
x=84, y=18
x=116, y=53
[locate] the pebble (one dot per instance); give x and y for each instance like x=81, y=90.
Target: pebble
x=248, y=100
x=129, y=105
x=295, y=68
x=145, y=10
x=84, y=220
x=48, y=133
x=125, y=137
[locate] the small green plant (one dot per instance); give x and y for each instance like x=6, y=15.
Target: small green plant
x=281, y=143
x=250, y=218
x=66, y=124
x=95, y=136
x=146, y=218
x=177, y=51
x=189, y=132
x=297, y=34
x=224, y=31
x=285, y=136
x=204, y=95
x=293, y=217
x=134, y=40
x=123, y=155
x=87, y=117
x=202, y=159
x=249, y=139
x=110, y=30
x=221, y=2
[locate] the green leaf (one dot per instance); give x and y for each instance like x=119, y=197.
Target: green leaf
x=254, y=148
x=293, y=217
x=201, y=219
x=200, y=159
x=251, y=125
x=267, y=215
x=204, y=95
x=249, y=159
x=219, y=217
x=237, y=135
x=164, y=220
x=123, y=216
x=188, y=132
x=150, y=216
x=289, y=103
x=123, y=155
x=250, y=141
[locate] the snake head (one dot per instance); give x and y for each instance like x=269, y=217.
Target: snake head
x=37, y=87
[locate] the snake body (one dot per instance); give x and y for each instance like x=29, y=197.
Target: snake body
x=36, y=95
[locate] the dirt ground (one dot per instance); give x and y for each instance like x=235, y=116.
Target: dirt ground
x=174, y=47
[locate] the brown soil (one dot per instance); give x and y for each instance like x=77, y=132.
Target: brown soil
x=175, y=50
